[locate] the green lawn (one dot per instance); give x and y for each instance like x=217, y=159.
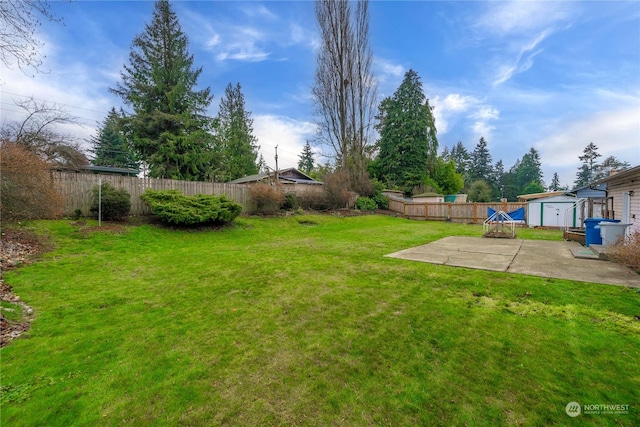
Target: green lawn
x=301, y=320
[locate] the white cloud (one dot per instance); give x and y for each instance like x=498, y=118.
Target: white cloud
x=387, y=74
x=212, y=41
x=520, y=64
x=254, y=10
x=485, y=112
x=517, y=17
x=515, y=30
x=387, y=67
x=288, y=134
x=615, y=133
x=455, y=102
x=248, y=54
x=455, y=106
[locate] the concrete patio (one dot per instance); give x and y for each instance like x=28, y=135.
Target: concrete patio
x=533, y=257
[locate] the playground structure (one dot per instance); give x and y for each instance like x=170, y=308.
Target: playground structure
x=501, y=224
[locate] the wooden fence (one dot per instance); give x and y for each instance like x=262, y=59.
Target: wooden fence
x=468, y=213
x=77, y=189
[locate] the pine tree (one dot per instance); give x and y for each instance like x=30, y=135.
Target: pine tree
x=408, y=144
x=498, y=180
x=110, y=147
x=583, y=177
x=480, y=162
x=555, y=183
x=238, y=145
x=170, y=130
x=306, y=162
x=529, y=170
x=586, y=172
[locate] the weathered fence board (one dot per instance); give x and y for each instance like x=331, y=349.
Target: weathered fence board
x=469, y=213
x=77, y=189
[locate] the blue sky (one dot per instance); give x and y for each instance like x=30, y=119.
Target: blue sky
x=549, y=75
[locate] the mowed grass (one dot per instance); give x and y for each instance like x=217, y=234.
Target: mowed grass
x=302, y=320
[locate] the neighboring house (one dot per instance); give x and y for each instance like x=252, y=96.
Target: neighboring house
x=428, y=198
x=623, y=197
x=291, y=179
x=553, y=210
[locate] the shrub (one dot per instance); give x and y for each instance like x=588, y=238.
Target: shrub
x=627, y=251
x=116, y=202
x=313, y=200
x=267, y=198
x=290, y=202
x=173, y=207
x=336, y=187
x=26, y=188
x=381, y=200
x=365, y=204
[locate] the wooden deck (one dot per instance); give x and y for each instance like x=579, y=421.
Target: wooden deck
x=575, y=235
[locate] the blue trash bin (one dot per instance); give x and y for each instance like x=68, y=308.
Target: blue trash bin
x=592, y=230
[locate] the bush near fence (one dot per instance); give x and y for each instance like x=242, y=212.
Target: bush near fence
x=467, y=213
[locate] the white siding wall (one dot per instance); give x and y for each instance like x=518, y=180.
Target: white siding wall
x=616, y=190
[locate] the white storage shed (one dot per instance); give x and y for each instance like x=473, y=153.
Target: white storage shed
x=554, y=211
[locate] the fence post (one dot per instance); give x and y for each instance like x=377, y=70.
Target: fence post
x=475, y=213
x=426, y=211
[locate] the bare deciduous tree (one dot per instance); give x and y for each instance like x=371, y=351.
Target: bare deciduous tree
x=38, y=133
x=345, y=89
x=19, y=20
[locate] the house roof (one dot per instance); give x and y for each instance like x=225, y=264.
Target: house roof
x=625, y=174
x=290, y=175
x=112, y=170
x=249, y=178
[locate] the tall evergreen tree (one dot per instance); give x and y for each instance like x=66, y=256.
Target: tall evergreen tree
x=529, y=169
x=586, y=172
x=306, y=162
x=498, y=180
x=170, y=130
x=408, y=143
x=237, y=143
x=555, y=183
x=583, y=176
x=461, y=157
x=509, y=184
x=110, y=147
x=480, y=166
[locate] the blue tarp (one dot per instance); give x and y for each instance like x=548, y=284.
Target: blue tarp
x=517, y=215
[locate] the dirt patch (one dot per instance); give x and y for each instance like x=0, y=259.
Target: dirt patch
x=17, y=247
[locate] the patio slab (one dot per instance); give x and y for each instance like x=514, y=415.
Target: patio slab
x=542, y=258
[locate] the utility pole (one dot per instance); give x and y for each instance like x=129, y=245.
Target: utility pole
x=277, y=178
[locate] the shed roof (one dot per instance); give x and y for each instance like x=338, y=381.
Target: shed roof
x=527, y=197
